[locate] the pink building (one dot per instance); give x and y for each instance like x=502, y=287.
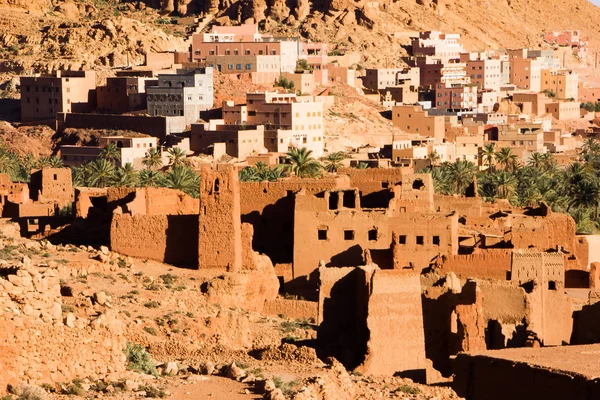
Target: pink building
x=433, y=72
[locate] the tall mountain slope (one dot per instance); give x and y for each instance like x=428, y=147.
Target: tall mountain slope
x=63, y=33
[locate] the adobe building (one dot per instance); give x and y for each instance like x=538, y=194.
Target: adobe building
x=414, y=119
x=123, y=94
x=184, y=94
x=383, y=78
x=242, y=49
x=526, y=73
x=336, y=231
x=563, y=110
x=42, y=97
x=563, y=83
x=456, y=97
x=52, y=185
x=284, y=121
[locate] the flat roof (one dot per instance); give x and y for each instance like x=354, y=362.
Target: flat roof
x=573, y=360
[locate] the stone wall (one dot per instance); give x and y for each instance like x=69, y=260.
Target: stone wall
x=39, y=344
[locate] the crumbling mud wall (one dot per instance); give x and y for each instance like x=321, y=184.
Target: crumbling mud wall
x=396, y=341
x=172, y=239
x=38, y=344
x=52, y=185
x=525, y=374
x=220, y=235
x=464, y=206
x=152, y=201
x=269, y=207
x=296, y=309
x=494, y=264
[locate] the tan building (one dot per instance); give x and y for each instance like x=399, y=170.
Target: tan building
x=341, y=74
x=414, y=119
x=562, y=110
x=383, y=78
x=434, y=72
x=563, y=83
x=532, y=103
x=304, y=81
x=523, y=138
x=42, y=97
x=288, y=121
x=526, y=73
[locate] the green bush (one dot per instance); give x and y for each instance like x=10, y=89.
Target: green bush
x=139, y=360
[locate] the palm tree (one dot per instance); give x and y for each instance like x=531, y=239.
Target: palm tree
x=507, y=158
x=362, y=165
x=434, y=158
x=333, y=161
x=101, y=173
x=537, y=161
x=488, y=155
x=177, y=156
x=125, y=176
x=590, y=149
x=80, y=175
x=505, y=183
x=43, y=162
x=184, y=179
x=111, y=152
x=148, y=177
x=583, y=219
x=302, y=164
x=460, y=174
x=586, y=194
x=153, y=159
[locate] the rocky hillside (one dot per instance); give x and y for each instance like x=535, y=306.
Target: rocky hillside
x=104, y=32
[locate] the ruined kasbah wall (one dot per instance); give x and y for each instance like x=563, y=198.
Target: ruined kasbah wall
x=483, y=377
x=294, y=309
x=269, y=207
x=153, y=201
x=373, y=180
x=172, y=239
x=493, y=264
x=36, y=347
x=469, y=206
x=395, y=324
x=544, y=233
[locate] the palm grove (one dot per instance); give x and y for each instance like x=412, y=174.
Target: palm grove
x=574, y=189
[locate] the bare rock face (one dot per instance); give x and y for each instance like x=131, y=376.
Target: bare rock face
x=278, y=10
x=68, y=9
x=34, y=5
x=302, y=9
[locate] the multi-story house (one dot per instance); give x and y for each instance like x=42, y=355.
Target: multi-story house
x=564, y=84
x=413, y=119
x=186, y=94
x=132, y=150
x=283, y=120
x=123, y=94
x=42, y=97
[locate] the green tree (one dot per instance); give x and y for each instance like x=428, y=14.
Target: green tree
x=460, y=175
x=125, y=176
x=434, y=158
x=101, y=173
x=333, y=161
x=362, y=165
x=153, y=159
x=505, y=183
x=148, y=177
x=111, y=152
x=177, y=156
x=488, y=155
x=183, y=178
x=302, y=164
x=507, y=158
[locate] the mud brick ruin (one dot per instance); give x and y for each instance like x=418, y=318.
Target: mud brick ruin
x=400, y=280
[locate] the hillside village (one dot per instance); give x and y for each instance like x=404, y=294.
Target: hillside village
x=252, y=213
